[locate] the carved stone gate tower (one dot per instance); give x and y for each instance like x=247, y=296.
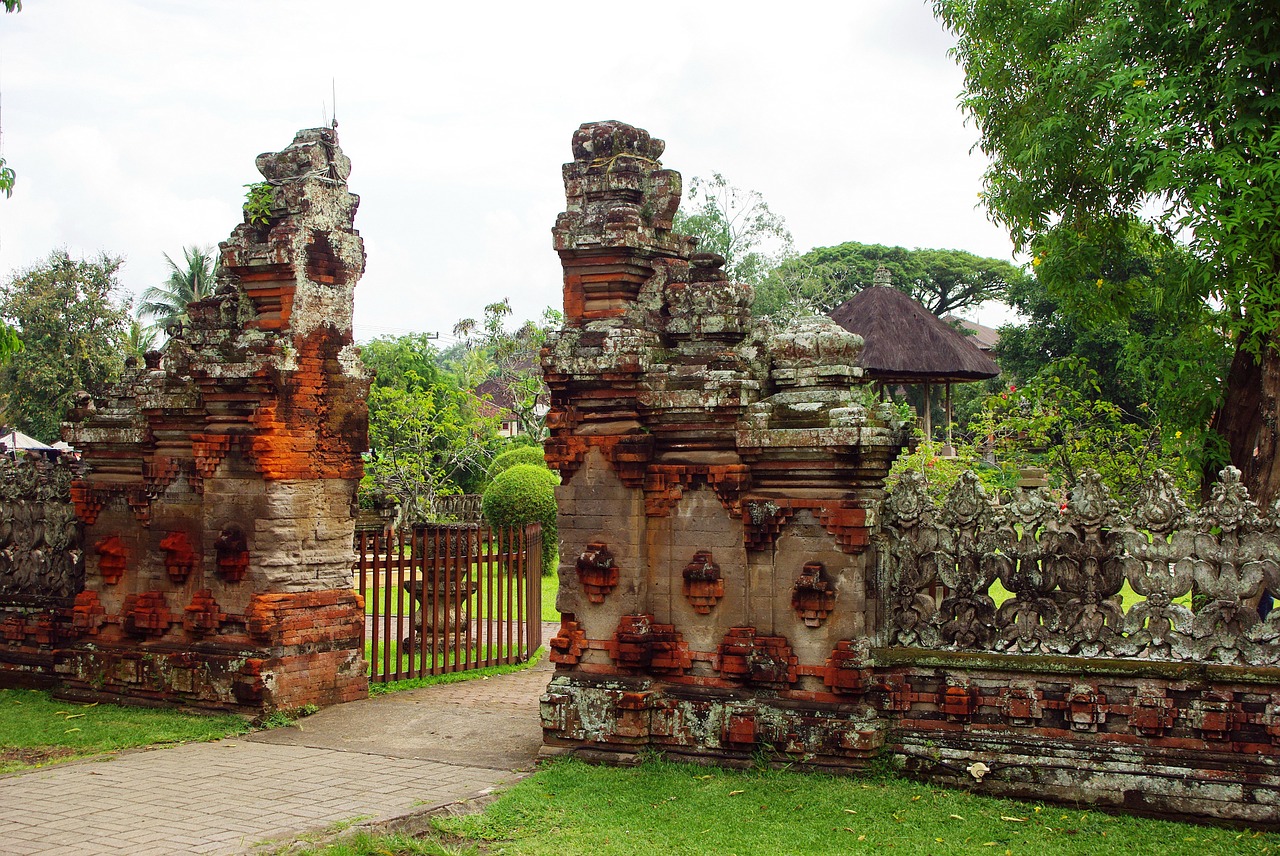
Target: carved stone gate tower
x=218, y=503
x=720, y=480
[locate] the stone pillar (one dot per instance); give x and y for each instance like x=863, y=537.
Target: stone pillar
x=218, y=502
x=720, y=479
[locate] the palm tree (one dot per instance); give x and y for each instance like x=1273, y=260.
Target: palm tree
x=139, y=339
x=167, y=303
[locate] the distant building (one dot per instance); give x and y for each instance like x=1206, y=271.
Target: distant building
x=984, y=338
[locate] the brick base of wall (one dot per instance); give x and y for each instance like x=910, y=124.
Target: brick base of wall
x=293, y=649
x=612, y=716
x=1136, y=737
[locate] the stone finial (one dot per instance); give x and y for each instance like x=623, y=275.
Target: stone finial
x=314, y=153
x=882, y=276
x=816, y=352
x=707, y=267
x=599, y=141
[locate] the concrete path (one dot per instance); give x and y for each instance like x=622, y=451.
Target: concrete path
x=377, y=759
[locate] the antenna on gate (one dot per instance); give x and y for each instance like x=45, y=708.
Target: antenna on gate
x=332, y=122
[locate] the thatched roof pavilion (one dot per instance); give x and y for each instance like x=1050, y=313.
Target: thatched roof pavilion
x=906, y=343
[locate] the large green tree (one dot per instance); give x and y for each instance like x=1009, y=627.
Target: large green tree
x=72, y=323
x=736, y=224
x=1099, y=113
x=942, y=280
x=1156, y=361
x=426, y=437
x=192, y=280
x=489, y=355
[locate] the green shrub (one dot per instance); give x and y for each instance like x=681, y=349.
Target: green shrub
x=525, y=493
x=513, y=456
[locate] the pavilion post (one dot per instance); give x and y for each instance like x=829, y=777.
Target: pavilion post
x=948, y=450
x=928, y=413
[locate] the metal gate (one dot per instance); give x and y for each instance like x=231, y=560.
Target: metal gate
x=445, y=598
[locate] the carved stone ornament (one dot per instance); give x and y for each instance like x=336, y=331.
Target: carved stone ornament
x=703, y=584
x=113, y=559
x=597, y=571
x=812, y=596
x=179, y=558
x=233, y=554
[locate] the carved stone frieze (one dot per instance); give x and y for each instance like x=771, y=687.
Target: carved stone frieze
x=1065, y=569
x=40, y=550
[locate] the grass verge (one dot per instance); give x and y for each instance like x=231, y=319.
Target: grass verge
x=549, y=586
x=376, y=689
x=571, y=807
x=36, y=729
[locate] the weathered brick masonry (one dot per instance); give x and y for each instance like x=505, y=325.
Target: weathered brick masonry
x=735, y=581
x=720, y=484
x=220, y=477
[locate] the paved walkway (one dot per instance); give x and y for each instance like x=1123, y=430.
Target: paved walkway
x=377, y=759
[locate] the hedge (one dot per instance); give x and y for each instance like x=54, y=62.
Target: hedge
x=511, y=457
x=525, y=493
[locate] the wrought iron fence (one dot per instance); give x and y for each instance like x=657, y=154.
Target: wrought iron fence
x=445, y=598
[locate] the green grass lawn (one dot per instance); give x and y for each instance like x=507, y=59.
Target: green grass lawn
x=670, y=808
x=549, y=586
x=36, y=729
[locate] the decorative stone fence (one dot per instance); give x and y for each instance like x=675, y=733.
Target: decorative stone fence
x=41, y=564
x=40, y=557
x=1058, y=688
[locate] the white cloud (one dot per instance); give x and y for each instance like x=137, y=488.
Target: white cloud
x=133, y=126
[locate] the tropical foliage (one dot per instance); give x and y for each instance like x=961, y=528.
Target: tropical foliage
x=72, y=322
x=1099, y=114
x=192, y=280
x=523, y=494
x=941, y=280
x=426, y=436
x=489, y=357
x=736, y=224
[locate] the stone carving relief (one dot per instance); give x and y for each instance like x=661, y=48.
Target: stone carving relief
x=597, y=571
x=1066, y=568
x=40, y=550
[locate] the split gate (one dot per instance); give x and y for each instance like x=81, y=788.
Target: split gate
x=445, y=598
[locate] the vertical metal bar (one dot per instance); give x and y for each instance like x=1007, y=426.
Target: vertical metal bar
x=459, y=551
x=490, y=653
x=469, y=532
x=417, y=620
x=513, y=571
x=437, y=637
x=534, y=598
x=521, y=584
x=500, y=618
x=388, y=641
x=364, y=591
x=402, y=649
x=446, y=596
x=375, y=629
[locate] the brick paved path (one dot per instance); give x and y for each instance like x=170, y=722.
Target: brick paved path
x=377, y=759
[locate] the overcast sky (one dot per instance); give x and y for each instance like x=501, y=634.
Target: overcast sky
x=133, y=126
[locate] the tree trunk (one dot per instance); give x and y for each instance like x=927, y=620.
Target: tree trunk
x=1247, y=420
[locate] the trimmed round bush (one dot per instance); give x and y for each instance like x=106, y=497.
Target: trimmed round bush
x=517, y=455
x=525, y=493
